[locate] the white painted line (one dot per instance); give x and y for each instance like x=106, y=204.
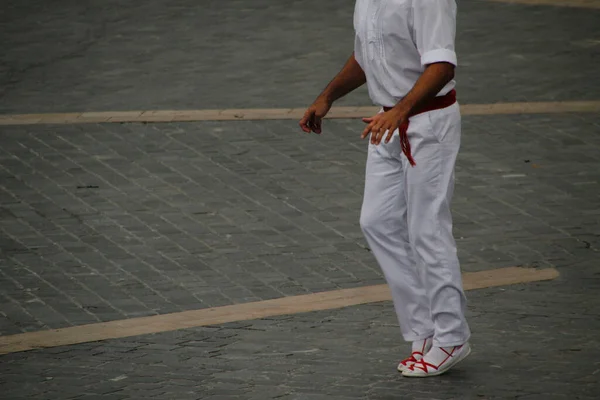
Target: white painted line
x=248, y=311
x=280, y=113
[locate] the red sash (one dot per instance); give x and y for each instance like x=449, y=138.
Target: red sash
x=436, y=103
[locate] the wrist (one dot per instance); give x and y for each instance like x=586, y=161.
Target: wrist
x=402, y=109
x=325, y=97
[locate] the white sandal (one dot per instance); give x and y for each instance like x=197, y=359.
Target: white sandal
x=423, y=369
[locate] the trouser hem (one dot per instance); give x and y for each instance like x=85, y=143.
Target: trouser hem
x=450, y=344
x=414, y=338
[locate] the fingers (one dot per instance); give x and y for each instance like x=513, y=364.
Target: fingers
x=390, y=133
x=306, y=123
x=310, y=122
x=378, y=128
x=377, y=135
x=370, y=124
x=384, y=130
x=369, y=130
x=391, y=128
x=374, y=128
x=317, y=125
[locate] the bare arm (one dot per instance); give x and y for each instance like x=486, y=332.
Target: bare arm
x=348, y=79
x=429, y=84
x=434, y=26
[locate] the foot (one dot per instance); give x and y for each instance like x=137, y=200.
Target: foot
x=437, y=361
x=420, y=348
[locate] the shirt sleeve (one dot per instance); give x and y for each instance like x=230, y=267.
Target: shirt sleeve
x=358, y=52
x=434, y=25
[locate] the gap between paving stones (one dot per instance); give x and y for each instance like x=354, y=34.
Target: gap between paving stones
x=249, y=311
x=281, y=113
x=557, y=3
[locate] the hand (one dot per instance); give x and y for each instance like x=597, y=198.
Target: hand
x=311, y=121
x=381, y=123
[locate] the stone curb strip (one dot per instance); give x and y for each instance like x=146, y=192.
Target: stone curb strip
x=248, y=311
x=556, y=3
x=280, y=114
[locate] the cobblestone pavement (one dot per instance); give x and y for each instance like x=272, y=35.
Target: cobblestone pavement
x=111, y=221
x=526, y=345
x=106, y=222
x=63, y=56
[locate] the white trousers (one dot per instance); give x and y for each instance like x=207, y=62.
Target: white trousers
x=407, y=222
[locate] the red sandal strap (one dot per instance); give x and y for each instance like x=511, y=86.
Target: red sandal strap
x=425, y=366
x=412, y=358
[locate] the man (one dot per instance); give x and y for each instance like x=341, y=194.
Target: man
x=404, y=51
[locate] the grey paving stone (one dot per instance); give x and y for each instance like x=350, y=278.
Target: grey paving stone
x=226, y=237
x=107, y=58
x=526, y=344
x=111, y=221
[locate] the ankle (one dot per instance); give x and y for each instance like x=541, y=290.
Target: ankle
x=422, y=346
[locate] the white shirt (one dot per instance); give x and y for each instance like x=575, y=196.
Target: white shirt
x=396, y=39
